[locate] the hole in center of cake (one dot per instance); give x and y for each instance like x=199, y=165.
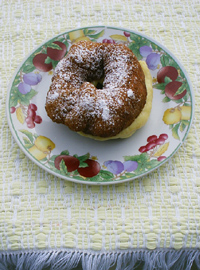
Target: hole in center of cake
x=98, y=83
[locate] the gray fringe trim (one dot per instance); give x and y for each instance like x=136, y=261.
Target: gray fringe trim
x=61, y=259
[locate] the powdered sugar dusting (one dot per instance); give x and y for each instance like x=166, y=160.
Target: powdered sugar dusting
x=72, y=95
x=130, y=93
x=105, y=110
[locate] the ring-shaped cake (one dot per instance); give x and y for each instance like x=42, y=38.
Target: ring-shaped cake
x=114, y=108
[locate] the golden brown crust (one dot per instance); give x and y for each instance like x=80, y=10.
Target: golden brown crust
x=74, y=101
x=142, y=118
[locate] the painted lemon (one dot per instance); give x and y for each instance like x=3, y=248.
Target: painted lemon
x=38, y=154
x=185, y=112
x=44, y=144
x=172, y=116
x=76, y=34
x=81, y=38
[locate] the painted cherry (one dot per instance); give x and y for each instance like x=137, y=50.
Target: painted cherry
x=32, y=106
x=150, y=145
x=161, y=158
x=39, y=62
x=171, y=89
x=126, y=34
x=37, y=119
x=55, y=54
x=142, y=149
x=71, y=162
x=167, y=71
x=92, y=169
x=152, y=138
x=163, y=136
x=12, y=109
x=160, y=141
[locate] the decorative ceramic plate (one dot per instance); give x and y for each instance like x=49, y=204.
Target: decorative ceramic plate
x=70, y=156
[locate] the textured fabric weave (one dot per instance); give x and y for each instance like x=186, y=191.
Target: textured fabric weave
x=39, y=211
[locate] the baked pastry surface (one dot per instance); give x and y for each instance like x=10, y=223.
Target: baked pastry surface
x=105, y=113
x=142, y=118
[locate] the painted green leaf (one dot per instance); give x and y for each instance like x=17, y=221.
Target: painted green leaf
x=178, y=101
x=54, y=46
x=155, y=47
x=167, y=80
x=82, y=160
x=139, y=158
x=187, y=104
x=17, y=80
x=14, y=90
x=186, y=97
x=182, y=88
x=145, y=166
x=67, y=36
x=26, y=140
x=129, y=175
x=35, y=135
x=164, y=60
x=88, y=32
x=139, y=40
x=28, y=68
x=25, y=99
x=185, y=122
x=13, y=101
x=182, y=126
x=48, y=60
x=173, y=64
x=52, y=158
x=159, y=86
x=98, y=35
x=144, y=42
x=28, y=145
x=162, y=92
x=136, y=50
x=96, y=178
x=63, y=167
x=28, y=134
x=65, y=152
x=79, y=178
x=83, y=157
x=31, y=94
x=152, y=163
x=133, y=36
x=83, y=164
x=181, y=73
x=54, y=63
x=15, y=94
x=179, y=79
x=122, y=177
x=166, y=99
x=106, y=174
x=52, y=166
x=175, y=131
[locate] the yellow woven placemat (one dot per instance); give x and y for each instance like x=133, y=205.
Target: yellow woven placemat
x=39, y=211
